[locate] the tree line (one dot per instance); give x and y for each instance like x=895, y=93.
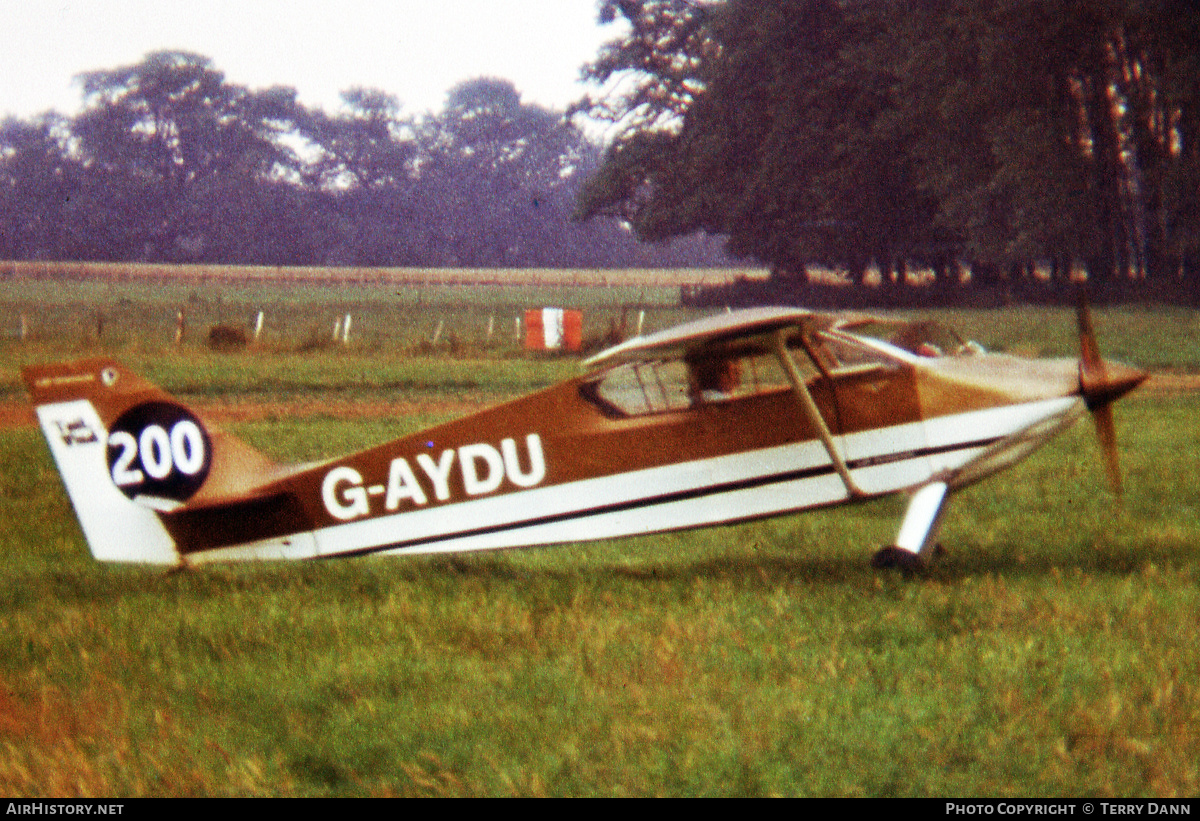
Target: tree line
x=1008, y=143
x=167, y=161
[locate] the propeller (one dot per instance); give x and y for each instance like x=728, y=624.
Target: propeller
x=1101, y=383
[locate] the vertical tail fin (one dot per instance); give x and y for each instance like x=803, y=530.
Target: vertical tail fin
x=127, y=452
x=116, y=528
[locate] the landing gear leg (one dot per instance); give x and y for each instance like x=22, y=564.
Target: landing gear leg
x=915, y=541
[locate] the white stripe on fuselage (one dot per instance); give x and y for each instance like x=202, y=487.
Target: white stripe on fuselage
x=703, y=492
x=617, y=505
x=1024, y=428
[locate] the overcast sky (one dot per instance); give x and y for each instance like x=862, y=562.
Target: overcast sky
x=414, y=49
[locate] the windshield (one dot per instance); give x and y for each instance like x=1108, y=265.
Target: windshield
x=925, y=338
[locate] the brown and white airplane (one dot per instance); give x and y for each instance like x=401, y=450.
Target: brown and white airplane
x=738, y=416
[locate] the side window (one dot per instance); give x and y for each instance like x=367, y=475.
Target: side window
x=762, y=372
x=706, y=378
x=644, y=387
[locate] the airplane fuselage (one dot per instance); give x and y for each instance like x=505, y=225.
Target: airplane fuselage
x=729, y=418
x=554, y=467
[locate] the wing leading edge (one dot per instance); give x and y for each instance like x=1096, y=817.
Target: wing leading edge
x=732, y=325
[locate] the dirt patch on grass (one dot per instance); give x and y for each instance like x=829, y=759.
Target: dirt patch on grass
x=15, y=413
x=1172, y=383
x=236, y=410
x=82, y=743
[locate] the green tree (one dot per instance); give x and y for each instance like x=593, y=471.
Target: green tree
x=1000, y=133
x=492, y=175
x=770, y=131
x=364, y=176
x=170, y=135
x=658, y=64
x=367, y=145
x=38, y=179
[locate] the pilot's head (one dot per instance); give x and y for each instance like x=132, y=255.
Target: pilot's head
x=712, y=377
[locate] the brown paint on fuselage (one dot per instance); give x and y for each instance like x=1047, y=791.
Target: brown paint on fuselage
x=579, y=441
x=580, y=438
x=877, y=398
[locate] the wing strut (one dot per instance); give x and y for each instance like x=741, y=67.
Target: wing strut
x=809, y=405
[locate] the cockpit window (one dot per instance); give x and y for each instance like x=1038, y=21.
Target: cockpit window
x=926, y=338
x=709, y=376
x=764, y=374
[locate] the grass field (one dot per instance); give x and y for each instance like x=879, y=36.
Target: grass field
x=1052, y=651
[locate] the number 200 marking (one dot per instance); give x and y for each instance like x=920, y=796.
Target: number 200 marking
x=182, y=449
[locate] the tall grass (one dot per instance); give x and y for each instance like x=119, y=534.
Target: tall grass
x=139, y=320
x=120, y=315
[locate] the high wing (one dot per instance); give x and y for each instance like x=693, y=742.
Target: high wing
x=709, y=331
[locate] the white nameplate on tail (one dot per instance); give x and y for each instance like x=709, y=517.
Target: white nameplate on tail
x=117, y=529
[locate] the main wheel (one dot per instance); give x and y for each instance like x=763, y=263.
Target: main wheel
x=897, y=558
